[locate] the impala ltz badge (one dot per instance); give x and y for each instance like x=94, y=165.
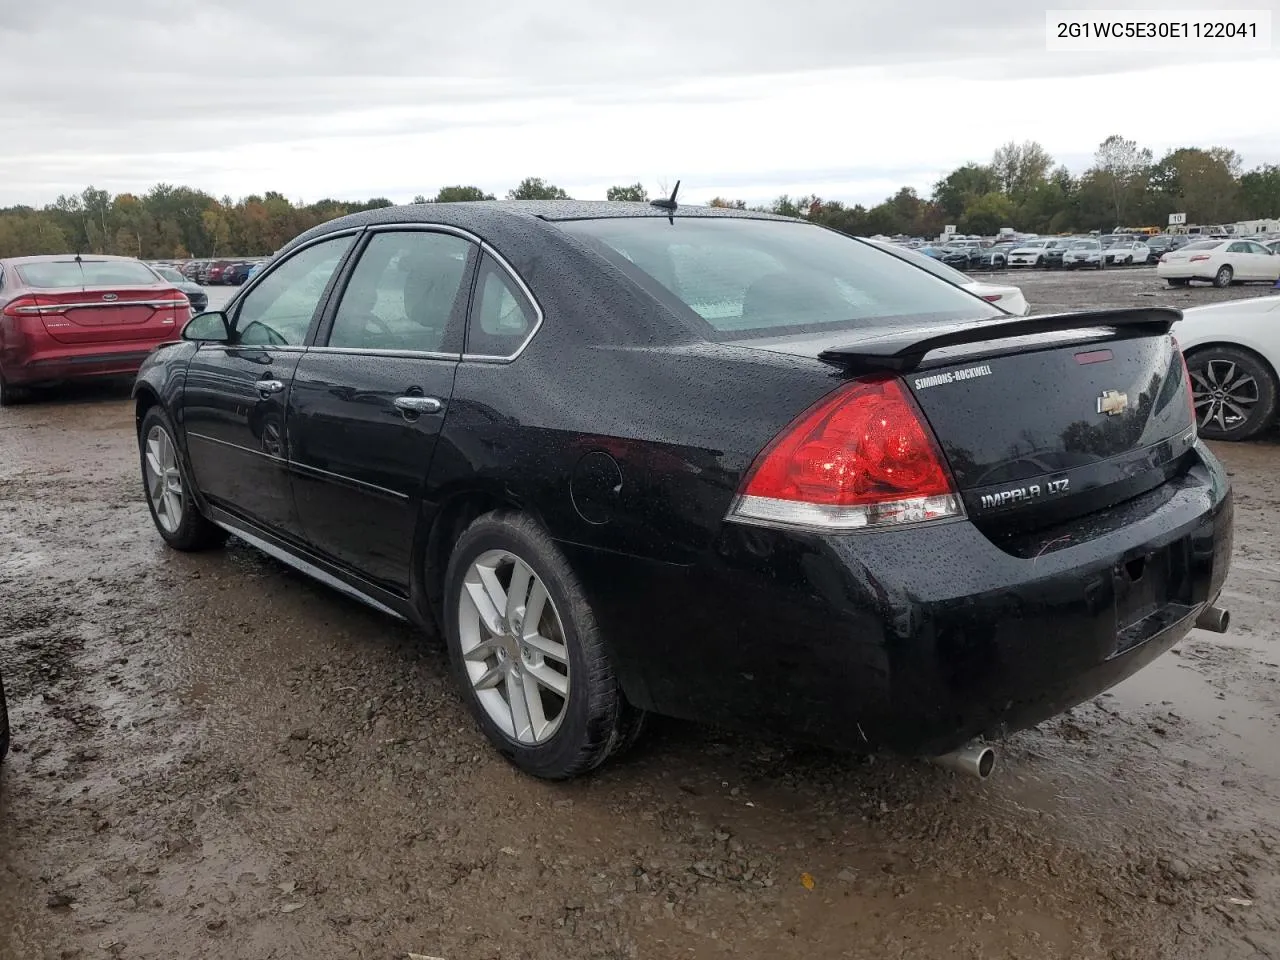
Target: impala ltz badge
x=1113, y=402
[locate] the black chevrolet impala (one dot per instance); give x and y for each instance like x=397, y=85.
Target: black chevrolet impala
x=712, y=464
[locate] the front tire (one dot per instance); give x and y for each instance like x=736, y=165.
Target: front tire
x=527, y=653
x=169, y=490
x=1235, y=392
x=1224, y=276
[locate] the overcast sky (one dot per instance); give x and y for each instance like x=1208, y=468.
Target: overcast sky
x=745, y=98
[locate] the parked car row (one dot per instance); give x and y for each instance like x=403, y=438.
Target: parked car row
x=213, y=272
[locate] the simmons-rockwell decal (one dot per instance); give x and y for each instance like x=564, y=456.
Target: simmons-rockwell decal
x=952, y=376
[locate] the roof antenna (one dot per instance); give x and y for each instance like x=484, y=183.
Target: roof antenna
x=667, y=203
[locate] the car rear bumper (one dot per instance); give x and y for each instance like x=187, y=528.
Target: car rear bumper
x=914, y=640
x=102, y=360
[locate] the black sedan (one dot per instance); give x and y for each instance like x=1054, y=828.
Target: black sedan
x=194, y=293
x=705, y=463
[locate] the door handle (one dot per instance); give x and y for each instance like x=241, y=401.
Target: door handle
x=269, y=386
x=418, y=404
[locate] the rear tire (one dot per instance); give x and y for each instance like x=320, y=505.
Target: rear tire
x=9, y=394
x=169, y=490
x=1224, y=276
x=1235, y=392
x=579, y=729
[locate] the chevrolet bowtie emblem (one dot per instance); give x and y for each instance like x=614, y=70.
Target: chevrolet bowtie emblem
x=1113, y=402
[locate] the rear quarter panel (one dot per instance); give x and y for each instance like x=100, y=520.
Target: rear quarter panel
x=1253, y=324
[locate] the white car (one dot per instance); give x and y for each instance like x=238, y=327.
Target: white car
x=1233, y=353
x=1220, y=262
x=1007, y=298
x=1083, y=253
x=1029, y=253
x=1125, y=253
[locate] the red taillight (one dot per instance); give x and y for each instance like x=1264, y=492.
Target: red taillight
x=1199, y=256
x=22, y=307
x=992, y=297
x=861, y=457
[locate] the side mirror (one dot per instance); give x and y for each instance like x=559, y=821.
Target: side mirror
x=210, y=327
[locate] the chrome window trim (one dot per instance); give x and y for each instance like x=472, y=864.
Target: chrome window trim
x=510, y=271
x=272, y=264
x=381, y=352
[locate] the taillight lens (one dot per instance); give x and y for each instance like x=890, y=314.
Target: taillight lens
x=1199, y=256
x=26, y=306
x=992, y=297
x=862, y=457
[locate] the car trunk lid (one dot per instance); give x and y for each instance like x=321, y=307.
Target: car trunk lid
x=111, y=314
x=1040, y=418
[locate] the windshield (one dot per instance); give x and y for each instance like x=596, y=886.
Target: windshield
x=86, y=273
x=736, y=277
x=1085, y=245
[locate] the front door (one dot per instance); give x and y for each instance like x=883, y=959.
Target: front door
x=369, y=400
x=236, y=394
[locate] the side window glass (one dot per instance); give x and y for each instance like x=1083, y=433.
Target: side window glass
x=403, y=292
x=502, y=316
x=279, y=309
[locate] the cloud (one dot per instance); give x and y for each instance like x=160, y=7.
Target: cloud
x=330, y=98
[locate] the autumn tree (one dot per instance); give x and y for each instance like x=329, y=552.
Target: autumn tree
x=1260, y=191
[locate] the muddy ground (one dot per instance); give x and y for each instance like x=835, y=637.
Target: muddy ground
x=215, y=757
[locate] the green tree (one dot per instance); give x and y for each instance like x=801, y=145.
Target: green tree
x=958, y=188
x=636, y=193
x=535, y=188
x=462, y=194
x=1200, y=183
x=1121, y=167
x=1021, y=168
x=727, y=204
x=1260, y=191
x=986, y=214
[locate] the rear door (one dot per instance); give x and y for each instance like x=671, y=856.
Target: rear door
x=369, y=401
x=236, y=393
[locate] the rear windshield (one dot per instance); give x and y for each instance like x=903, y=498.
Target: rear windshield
x=1204, y=245
x=170, y=274
x=738, y=278
x=86, y=273
x=1085, y=245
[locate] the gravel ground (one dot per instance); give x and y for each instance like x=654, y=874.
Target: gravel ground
x=215, y=757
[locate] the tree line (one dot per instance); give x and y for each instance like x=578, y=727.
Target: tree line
x=1020, y=187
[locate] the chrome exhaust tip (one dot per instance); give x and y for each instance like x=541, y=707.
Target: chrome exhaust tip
x=974, y=760
x=1214, y=618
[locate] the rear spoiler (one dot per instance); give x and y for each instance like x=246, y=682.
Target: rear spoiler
x=902, y=351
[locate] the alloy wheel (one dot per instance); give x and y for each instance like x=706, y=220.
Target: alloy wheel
x=1224, y=394
x=513, y=646
x=164, y=479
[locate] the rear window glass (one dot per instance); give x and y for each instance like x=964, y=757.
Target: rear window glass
x=740, y=278
x=86, y=273
x=1204, y=245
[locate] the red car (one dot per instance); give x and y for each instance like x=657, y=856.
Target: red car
x=72, y=317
